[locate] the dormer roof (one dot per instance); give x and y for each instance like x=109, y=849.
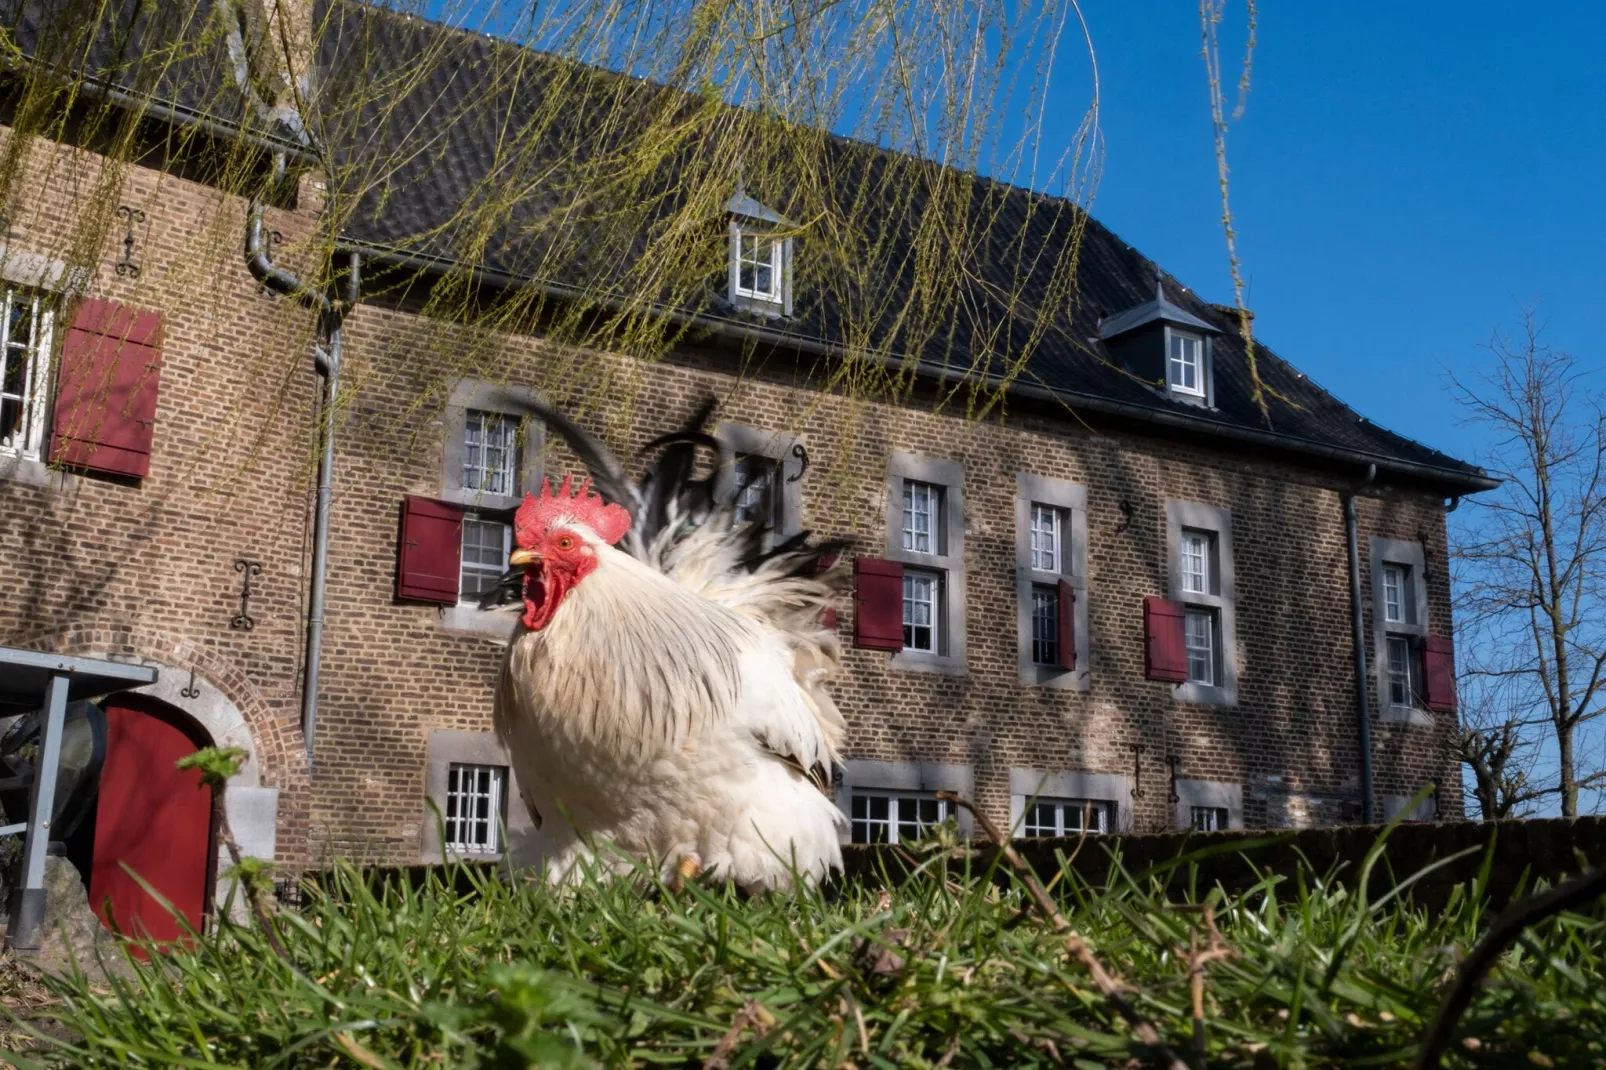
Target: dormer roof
x=1158, y=310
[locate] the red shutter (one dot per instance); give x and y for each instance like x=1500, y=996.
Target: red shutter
x=828, y=618
x=431, y=551
x=111, y=362
x=1438, y=674
x=1067, y=626
x=1165, y=656
x=877, y=604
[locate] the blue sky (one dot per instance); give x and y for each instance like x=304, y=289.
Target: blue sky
x=1404, y=179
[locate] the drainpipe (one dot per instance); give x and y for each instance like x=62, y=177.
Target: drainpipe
x=326, y=359
x=1363, y=699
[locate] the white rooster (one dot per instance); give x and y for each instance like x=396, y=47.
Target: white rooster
x=665, y=687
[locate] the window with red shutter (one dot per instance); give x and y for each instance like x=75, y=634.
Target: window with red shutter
x=877, y=604
x=1067, y=625
x=110, y=367
x=1165, y=655
x=431, y=551
x=1438, y=674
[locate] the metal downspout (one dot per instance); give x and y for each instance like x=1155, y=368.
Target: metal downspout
x=331, y=324
x=1363, y=698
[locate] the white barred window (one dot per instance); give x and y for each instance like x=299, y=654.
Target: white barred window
x=895, y=817
x=486, y=546
x=1046, y=535
x=475, y=796
x=490, y=452
x=24, y=372
x=1209, y=818
x=1067, y=817
x=920, y=504
x=922, y=599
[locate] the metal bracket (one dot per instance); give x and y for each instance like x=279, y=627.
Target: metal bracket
x=1137, y=769
x=191, y=691
x=1126, y=515
x=242, y=620
x=130, y=217
x=1174, y=761
x=803, y=462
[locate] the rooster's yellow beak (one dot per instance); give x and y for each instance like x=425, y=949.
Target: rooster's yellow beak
x=523, y=557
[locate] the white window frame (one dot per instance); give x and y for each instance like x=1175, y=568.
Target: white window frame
x=870, y=777
x=1047, y=534
x=1095, y=813
x=743, y=236
x=1408, y=560
x=1213, y=794
x=477, y=476
x=1185, y=519
x=751, y=219
x=912, y=577
x=462, y=561
x=1394, y=594
x=475, y=835
x=1069, y=501
x=946, y=557
x=1111, y=789
x=895, y=801
x=1045, y=653
x=1211, y=648
x=1175, y=365
x=517, y=839
x=1208, y=818
x=34, y=399
x=782, y=451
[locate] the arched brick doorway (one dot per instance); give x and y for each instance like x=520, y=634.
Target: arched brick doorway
x=153, y=818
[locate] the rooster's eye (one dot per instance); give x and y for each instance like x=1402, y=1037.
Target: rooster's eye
x=566, y=542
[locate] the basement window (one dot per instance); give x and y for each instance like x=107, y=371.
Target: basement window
x=475, y=808
x=1067, y=817
x=895, y=817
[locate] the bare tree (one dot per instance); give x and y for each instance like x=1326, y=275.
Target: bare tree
x=1531, y=559
x=1499, y=753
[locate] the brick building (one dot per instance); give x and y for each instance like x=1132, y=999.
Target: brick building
x=1126, y=596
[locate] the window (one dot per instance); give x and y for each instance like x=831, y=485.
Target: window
x=1208, y=805
x=895, y=817
x=1399, y=629
x=1199, y=538
x=1066, y=817
x=1209, y=818
x=1050, y=563
x=1199, y=638
x=490, y=452
x=920, y=518
x=1047, y=523
x=486, y=546
x=1045, y=626
x=925, y=536
x=475, y=796
x=1185, y=372
x=756, y=498
x=1401, y=691
x=24, y=372
x=922, y=597
x=759, y=266
x=1196, y=562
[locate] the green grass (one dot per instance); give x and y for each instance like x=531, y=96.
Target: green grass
x=950, y=967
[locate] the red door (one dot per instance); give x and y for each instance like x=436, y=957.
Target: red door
x=152, y=818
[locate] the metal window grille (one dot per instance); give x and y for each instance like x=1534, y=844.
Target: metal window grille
x=756, y=500
x=486, y=546
x=24, y=372
x=920, y=501
x=920, y=602
x=1045, y=626
x=1066, y=817
x=1046, y=533
x=490, y=452
x=1399, y=671
x=1184, y=366
x=1208, y=818
x=758, y=266
x=895, y=817
x=1394, y=594
x=474, y=800
x=1199, y=636
x=1195, y=555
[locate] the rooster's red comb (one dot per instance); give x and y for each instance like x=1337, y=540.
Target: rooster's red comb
x=608, y=520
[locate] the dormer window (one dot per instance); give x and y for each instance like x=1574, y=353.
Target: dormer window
x=758, y=266
x=1185, y=370
x=760, y=258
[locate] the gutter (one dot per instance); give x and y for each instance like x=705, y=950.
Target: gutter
x=1363, y=699
x=1463, y=482
x=326, y=360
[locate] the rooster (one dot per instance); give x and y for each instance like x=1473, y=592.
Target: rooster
x=664, y=690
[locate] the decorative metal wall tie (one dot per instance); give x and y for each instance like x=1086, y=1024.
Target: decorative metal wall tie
x=1137, y=769
x=1174, y=760
x=130, y=217
x=242, y=620
x=273, y=238
x=191, y=691
x=802, y=456
x=1126, y=515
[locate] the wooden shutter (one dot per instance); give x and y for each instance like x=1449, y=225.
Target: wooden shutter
x=1165, y=655
x=1438, y=674
x=828, y=618
x=1067, y=625
x=431, y=551
x=110, y=365
x=877, y=604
